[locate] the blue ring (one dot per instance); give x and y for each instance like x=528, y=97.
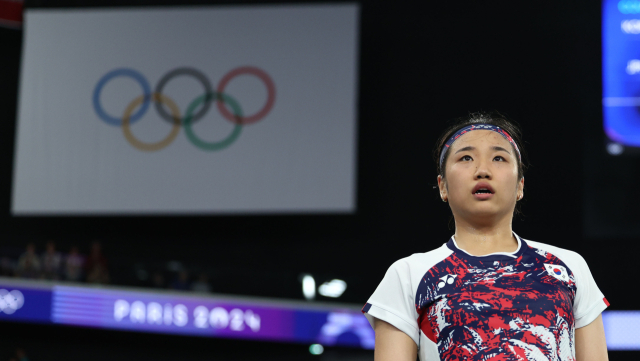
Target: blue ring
x=112, y=74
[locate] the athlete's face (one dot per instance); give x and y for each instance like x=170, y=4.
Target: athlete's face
x=481, y=156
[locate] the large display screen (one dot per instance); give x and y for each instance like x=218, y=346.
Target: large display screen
x=195, y=110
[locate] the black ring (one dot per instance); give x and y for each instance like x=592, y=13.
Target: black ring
x=184, y=71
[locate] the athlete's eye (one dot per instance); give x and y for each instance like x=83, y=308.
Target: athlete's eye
x=465, y=156
x=501, y=157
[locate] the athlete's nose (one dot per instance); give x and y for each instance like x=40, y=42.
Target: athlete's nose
x=482, y=171
x=483, y=174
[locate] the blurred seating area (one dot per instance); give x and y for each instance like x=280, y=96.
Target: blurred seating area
x=51, y=264
x=108, y=262
x=75, y=265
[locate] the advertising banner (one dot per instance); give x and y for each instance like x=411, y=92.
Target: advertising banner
x=181, y=313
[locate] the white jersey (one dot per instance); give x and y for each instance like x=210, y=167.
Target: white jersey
x=524, y=305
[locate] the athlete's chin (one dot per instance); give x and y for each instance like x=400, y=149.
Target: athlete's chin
x=485, y=210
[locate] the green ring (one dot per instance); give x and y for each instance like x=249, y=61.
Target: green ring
x=213, y=145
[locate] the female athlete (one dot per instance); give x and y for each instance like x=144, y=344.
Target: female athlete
x=487, y=294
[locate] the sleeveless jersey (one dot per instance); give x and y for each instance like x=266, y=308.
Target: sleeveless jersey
x=503, y=306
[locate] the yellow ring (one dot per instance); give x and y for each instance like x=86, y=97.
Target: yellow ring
x=151, y=147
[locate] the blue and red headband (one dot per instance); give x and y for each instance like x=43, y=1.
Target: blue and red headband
x=469, y=128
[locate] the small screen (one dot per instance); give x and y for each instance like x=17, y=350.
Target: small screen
x=621, y=75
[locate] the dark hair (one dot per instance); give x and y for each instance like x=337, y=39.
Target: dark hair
x=493, y=118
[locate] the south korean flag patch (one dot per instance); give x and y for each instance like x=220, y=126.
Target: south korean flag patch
x=558, y=272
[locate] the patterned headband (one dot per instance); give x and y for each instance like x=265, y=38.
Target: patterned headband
x=477, y=127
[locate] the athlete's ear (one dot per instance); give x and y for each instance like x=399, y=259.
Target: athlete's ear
x=521, y=189
x=443, y=188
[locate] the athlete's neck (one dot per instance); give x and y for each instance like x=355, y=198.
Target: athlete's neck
x=480, y=240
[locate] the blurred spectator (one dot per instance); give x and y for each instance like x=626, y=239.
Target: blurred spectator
x=51, y=262
x=96, y=265
x=28, y=263
x=201, y=284
x=98, y=274
x=73, y=265
x=157, y=280
x=181, y=282
x=7, y=267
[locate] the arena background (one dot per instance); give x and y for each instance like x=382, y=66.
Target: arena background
x=419, y=66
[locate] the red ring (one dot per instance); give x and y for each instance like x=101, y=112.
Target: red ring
x=271, y=95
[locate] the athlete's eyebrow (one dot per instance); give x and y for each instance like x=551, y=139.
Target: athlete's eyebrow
x=471, y=148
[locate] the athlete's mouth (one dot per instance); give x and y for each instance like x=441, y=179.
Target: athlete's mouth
x=482, y=188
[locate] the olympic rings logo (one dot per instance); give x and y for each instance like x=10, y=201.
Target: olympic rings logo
x=10, y=302
x=174, y=117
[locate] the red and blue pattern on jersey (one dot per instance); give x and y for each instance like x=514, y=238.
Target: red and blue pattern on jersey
x=499, y=307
